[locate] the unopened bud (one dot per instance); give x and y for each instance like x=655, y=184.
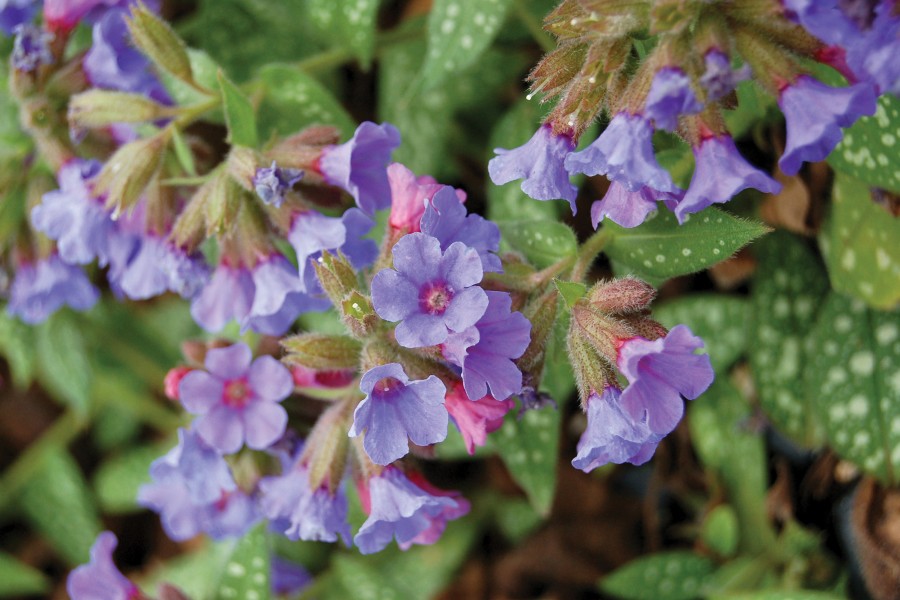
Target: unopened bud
x=326, y=447
x=130, y=169
x=336, y=276
x=173, y=379
x=242, y=165
x=322, y=351
x=222, y=203
x=159, y=42
x=541, y=311
x=100, y=108
x=621, y=296
x=646, y=327
x=358, y=314
x=190, y=227
x=602, y=331
x=592, y=371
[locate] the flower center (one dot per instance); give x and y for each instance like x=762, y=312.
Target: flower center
x=237, y=393
x=387, y=385
x=435, y=298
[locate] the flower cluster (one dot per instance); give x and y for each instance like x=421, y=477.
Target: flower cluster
x=683, y=87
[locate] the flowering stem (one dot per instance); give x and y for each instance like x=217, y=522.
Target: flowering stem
x=588, y=252
x=335, y=57
x=534, y=27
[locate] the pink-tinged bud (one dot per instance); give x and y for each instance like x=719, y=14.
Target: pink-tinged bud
x=621, y=296
x=173, y=379
x=322, y=351
x=604, y=332
x=475, y=418
x=305, y=377
x=592, y=371
x=409, y=196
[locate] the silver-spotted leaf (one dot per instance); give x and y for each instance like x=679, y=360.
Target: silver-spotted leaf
x=870, y=150
x=854, y=379
x=661, y=248
x=675, y=575
x=860, y=244
x=247, y=572
x=541, y=242
x=788, y=290
x=720, y=320
x=293, y=100
x=349, y=23
x=459, y=31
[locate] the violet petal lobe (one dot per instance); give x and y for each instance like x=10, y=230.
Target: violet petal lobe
x=100, y=579
x=670, y=97
x=445, y=218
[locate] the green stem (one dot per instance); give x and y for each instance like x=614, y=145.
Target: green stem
x=588, y=252
x=336, y=57
x=534, y=27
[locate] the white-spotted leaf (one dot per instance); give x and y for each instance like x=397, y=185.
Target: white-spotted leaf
x=294, y=100
x=348, y=23
x=459, y=31
x=675, y=575
x=788, y=290
x=859, y=241
x=661, y=248
x=854, y=380
x=541, y=242
x=528, y=448
x=247, y=571
x=870, y=150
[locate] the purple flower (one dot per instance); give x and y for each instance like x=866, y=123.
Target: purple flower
x=540, y=162
x=814, y=113
x=100, y=579
x=629, y=209
x=874, y=57
x=301, y=513
x=73, y=217
x=272, y=183
x=396, y=409
x=193, y=491
x=157, y=267
x=823, y=19
x=659, y=373
x=475, y=418
x=624, y=153
x=64, y=15
x=445, y=218
x=719, y=79
x=399, y=509
x=721, y=172
x=485, y=351
x=410, y=195
x=670, y=97
x=431, y=292
x=279, y=297
x=311, y=233
x=288, y=578
x=237, y=401
x=114, y=63
x=612, y=435
x=31, y=48
x=227, y=295
x=43, y=287
x=16, y=12
x=359, y=165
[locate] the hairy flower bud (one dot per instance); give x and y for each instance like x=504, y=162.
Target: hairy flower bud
x=159, y=42
x=602, y=331
x=100, y=108
x=336, y=275
x=322, y=351
x=621, y=296
x=130, y=169
x=358, y=314
x=326, y=447
x=592, y=371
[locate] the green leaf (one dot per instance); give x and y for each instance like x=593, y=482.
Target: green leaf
x=508, y=202
x=57, y=502
x=528, y=447
x=859, y=242
x=541, y=242
x=118, y=478
x=558, y=379
x=720, y=320
x=780, y=595
x=516, y=518
x=788, y=289
x=63, y=366
x=679, y=162
x=869, y=150
x=205, y=72
x=720, y=530
x=347, y=23
x=753, y=105
x=718, y=422
x=183, y=153
x=19, y=579
x=660, y=247
x=239, y=116
x=676, y=575
x=247, y=572
x=17, y=347
x=571, y=291
x=854, y=379
x=459, y=31
x=293, y=100
x=196, y=573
